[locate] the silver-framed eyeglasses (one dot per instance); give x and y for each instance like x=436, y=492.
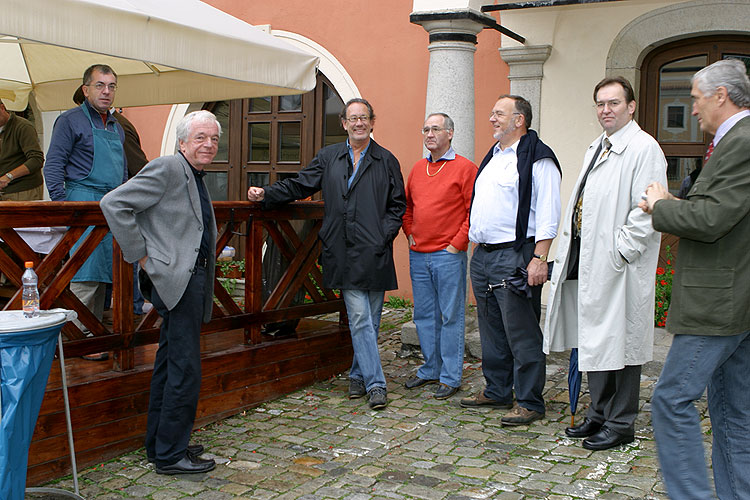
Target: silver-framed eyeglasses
x=355, y=119
x=500, y=114
x=101, y=85
x=432, y=129
x=611, y=104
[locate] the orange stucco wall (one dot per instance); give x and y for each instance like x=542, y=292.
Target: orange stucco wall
x=387, y=58
x=150, y=122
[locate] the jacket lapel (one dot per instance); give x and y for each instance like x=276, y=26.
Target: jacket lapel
x=195, y=200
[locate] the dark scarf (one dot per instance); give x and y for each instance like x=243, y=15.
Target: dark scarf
x=530, y=150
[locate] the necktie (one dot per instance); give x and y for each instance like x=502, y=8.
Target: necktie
x=709, y=152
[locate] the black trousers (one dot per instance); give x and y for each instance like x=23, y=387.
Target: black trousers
x=176, y=381
x=614, y=398
x=512, y=357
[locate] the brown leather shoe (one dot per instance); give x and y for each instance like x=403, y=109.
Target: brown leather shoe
x=520, y=416
x=482, y=401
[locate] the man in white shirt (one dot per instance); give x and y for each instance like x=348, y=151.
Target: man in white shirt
x=602, y=289
x=514, y=216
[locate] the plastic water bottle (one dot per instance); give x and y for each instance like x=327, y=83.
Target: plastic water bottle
x=30, y=298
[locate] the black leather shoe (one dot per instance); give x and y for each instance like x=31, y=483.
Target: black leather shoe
x=188, y=465
x=445, y=391
x=585, y=429
x=415, y=382
x=195, y=450
x=606, y=438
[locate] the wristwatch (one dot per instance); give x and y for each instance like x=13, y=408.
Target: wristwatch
x=9, y=176
x=543, y=258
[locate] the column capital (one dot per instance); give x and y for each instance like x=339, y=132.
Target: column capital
x=461, y=25
x=526, y=68
x=527, y=61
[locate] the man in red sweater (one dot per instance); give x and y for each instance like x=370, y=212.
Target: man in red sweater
x=438, y=199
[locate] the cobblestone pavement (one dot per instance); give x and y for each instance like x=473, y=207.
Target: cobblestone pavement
x=318, y=444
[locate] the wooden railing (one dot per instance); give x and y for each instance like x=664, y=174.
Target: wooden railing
x=238, y=220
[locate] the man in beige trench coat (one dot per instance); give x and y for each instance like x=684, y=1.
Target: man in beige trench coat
x=602, y=288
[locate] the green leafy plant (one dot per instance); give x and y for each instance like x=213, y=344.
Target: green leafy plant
x=663, y=286
x=396, y=302
x=229, y=268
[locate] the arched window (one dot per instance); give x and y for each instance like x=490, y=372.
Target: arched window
x=665, y=104
x=266, y=139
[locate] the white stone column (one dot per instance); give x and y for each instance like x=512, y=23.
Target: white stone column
x=450, y=80
x=526, y=66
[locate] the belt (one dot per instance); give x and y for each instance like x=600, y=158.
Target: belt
x=491, y=247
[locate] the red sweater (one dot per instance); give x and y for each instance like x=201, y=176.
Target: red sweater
x=437, y=207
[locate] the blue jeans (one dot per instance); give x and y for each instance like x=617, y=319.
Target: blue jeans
x=438, y=281
x=364, y=308
x=695, y=362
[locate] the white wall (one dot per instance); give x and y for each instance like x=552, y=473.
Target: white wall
x=580, y=37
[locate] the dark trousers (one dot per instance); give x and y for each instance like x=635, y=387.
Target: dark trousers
x=176, y=381
x=614, y=398
x=512, y=357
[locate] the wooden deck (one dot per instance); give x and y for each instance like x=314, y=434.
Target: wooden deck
x=242, y=367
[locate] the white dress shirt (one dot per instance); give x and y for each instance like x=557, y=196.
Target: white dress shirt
x=495, y=207
x=727, y=125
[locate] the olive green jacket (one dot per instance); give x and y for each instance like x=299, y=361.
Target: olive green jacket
x=711, y=287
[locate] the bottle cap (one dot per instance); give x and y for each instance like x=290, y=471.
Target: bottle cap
x=28, y=264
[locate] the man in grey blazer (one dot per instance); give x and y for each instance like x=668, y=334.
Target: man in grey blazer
x=162, y=218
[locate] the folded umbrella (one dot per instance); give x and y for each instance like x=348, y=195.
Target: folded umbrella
x=518, y=282
x=574, y=384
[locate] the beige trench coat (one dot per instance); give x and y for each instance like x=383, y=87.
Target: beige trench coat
x=608, y=313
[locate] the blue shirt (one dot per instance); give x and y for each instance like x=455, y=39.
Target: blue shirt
x=71, y=149
x=449, y=155
x=352, y=173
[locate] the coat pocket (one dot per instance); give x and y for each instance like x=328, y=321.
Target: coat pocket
x=707, y=296
x=153, y=253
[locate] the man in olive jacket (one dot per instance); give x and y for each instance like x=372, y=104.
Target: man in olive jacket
x=709, y=312
x=364, y=199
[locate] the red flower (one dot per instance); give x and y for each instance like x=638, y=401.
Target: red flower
x=669, y=262
x=672, y=271
x=662, y=282
x=665, y=313
x=661, y=304
x=659, y=271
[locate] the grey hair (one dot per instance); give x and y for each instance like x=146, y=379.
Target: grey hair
x=186, y=122
x=728, y=73
x=447, y=121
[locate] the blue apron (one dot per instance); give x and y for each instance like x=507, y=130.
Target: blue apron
x=106, y=174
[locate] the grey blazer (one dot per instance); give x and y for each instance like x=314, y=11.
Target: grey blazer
x=157, y=214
